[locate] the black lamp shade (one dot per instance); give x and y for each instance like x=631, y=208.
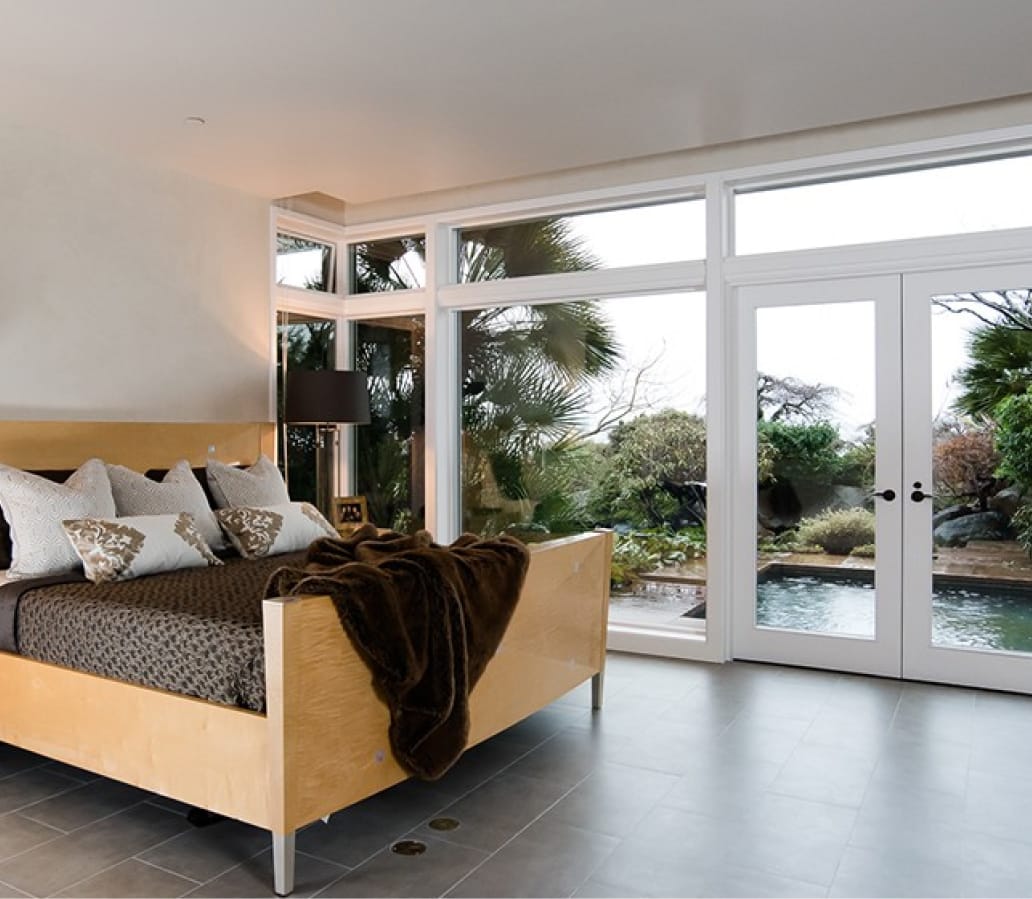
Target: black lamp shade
x=327, y=397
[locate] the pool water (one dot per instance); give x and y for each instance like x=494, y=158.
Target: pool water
x=982, y=616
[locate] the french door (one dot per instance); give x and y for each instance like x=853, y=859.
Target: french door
x=876, y=530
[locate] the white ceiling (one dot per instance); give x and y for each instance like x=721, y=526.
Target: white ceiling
x=366, y=100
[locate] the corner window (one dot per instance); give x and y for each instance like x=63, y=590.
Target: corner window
x=302, y=262
x=384, y=265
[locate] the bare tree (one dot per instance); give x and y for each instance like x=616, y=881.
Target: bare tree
x=789, y=399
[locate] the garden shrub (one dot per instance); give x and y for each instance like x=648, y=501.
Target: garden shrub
x=838, y=532
x=965, y=466
x=866, y=551
x=1014, y=438
x=808, y=452
x=1022, y=524
x=641, y=551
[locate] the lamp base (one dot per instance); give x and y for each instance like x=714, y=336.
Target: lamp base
x=325, y=461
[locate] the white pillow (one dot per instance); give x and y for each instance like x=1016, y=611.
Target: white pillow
x=260, y=485
x=179, y=491
x=35, y=508
x=269, y=531
x=122, y=548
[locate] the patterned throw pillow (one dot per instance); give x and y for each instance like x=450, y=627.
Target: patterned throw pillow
x=35, y=508
x=271, y=530
x=260, y=485
x=122, y=548
x=178, y=491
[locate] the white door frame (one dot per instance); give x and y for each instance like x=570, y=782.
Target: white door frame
x=872, y=656
x=921, y=659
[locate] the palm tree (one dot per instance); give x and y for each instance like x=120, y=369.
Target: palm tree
x=1000, y=348
x=1000, y=366
x=526, y=370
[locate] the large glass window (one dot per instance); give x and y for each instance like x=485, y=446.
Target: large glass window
x=667, y=232
x=302, y=262
x=390, y=449
x=977, y=196
x=305, y=342
x=383, y=265
x=591, y=413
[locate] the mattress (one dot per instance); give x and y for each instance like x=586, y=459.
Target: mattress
x=196, y=632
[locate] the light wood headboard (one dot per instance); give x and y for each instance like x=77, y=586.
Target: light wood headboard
x=43, y=445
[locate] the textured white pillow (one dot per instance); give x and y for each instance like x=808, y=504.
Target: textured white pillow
x=272, y=530
x=260, y=485
x=35, y=508
x=178, y=491
x=122, y=548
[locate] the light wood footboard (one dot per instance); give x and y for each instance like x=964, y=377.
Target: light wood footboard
x=327, y=729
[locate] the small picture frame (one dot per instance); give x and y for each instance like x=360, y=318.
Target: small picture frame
x=349, y=511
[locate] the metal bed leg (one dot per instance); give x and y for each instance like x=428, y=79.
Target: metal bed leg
x=283, y=863
x=597, y=682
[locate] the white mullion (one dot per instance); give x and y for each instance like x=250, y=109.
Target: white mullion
x=441, y=434
x=720, y=387
x=916, y=254
x=388, y=303
x=667, y=277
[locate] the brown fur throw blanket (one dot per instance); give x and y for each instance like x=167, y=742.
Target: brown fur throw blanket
x=426, y=619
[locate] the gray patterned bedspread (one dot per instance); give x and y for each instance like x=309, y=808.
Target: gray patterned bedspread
x=196, y=632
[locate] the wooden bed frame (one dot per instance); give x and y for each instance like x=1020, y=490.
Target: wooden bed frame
x=323, y=744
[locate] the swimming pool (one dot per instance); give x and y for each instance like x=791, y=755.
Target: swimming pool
x=965, y=612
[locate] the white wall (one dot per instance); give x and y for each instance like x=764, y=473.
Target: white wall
x=128, y=293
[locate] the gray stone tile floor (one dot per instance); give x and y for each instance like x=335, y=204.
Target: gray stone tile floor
x=694, y=780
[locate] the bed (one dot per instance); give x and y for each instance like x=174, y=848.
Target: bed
x=322, y=743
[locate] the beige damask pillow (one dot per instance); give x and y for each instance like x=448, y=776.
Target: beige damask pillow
x=271, y=530
x=178, y=491
x=260, y=485
x=35, y=508
x=118, y=549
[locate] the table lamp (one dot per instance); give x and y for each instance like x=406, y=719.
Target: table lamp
x=326, y=399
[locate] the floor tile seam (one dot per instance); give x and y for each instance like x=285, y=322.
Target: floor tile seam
x=95, y=821
x=72, y=786
x=239, y=864
x=525, y=827
x=35, y=767
x=11, y=886
x=115, y=865
x=60, y=831
x=77, y=830
x=151, y=864
x=425, y=821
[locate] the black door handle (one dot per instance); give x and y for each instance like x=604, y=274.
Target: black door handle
x=919, y=495
x=887, y=495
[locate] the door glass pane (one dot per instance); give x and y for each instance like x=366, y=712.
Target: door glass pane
x=390, y=457
x=591, y=413
x=982, y=464
x=815, y=412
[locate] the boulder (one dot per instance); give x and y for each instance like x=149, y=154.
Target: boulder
x=951, y=512
x=1006, y=501
x=979, y=526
